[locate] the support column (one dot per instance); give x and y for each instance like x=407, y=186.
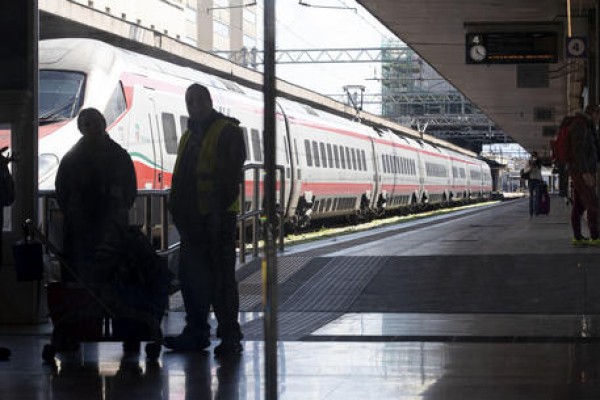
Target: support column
x=20, y=302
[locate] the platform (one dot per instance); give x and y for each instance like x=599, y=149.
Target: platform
x=477, y=304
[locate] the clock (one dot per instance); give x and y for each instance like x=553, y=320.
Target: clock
x=478, y=52
x=576, y=47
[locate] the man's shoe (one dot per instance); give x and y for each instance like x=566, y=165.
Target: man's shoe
x=580, y=241
x=229, y=348
x=185, y=342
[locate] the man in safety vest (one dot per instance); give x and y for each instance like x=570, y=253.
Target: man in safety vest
x=204, y=203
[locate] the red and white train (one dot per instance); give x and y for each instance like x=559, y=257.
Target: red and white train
x=334, y=166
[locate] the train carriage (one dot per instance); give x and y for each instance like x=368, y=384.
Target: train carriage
x=332, y=166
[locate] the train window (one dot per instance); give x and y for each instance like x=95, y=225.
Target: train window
x=169, y=132
x=285, y=144
x=296, y=152
x=364, y=159
x=323, y=154
x=245, y=133
x=329, y=155
x=116, y=105
x=336, y=155
x=328, y=206
x=342, y=157
x=383, y=163
x=308, y=153
x=256, y=148
x=348, y=158
x=359, y=163
x=183, y=121
x=60, y=94
x=354, y=159
x=315, y=147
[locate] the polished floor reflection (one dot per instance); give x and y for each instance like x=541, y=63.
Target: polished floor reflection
x=331, y=370
x=510, y=321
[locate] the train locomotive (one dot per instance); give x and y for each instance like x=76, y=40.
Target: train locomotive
x=334, y=166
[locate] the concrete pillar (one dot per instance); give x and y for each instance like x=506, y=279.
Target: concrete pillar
x=19, y=302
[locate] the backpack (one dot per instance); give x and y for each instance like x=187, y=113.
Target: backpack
x=561, y=145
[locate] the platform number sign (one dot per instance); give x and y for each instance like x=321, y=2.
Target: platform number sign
x=576, y=47
x=476, y=50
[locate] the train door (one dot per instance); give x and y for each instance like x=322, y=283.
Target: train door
x=288, y=162
x=156, y=135
x=376, y=179
x=422, y=175
x=141, y=141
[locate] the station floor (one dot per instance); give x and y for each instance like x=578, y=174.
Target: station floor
x=477, y=304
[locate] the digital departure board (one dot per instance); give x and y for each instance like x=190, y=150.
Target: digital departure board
x=511, y=47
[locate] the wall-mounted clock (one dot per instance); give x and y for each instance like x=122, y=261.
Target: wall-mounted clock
x=478, y=52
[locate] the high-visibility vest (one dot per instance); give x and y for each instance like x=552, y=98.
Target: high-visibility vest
x=206, y=165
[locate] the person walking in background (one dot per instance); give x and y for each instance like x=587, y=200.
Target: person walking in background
x=95, y=188
x=582, y=170
x=7, y=196
x=204, y=203
x=534, y=181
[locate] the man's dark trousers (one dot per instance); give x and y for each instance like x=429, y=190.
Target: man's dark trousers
x=207, y=276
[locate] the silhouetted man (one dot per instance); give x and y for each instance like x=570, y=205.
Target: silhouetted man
x=204, y=204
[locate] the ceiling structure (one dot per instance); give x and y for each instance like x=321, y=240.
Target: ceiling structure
x=437, y=29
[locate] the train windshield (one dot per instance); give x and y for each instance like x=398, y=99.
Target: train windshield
x=61, y=95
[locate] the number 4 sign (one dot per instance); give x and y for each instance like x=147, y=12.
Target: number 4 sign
x=576, y=47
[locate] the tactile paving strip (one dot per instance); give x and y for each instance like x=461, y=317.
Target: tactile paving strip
x=322, y=298
x=251, y=288
x=335, y=286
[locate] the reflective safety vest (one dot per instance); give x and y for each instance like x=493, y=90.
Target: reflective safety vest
x=206, y=166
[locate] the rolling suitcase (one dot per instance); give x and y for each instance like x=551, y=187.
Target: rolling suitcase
x=543, y=200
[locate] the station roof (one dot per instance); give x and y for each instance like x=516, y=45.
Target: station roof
x=525, y=100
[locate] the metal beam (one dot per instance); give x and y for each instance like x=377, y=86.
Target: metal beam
x=254, y=57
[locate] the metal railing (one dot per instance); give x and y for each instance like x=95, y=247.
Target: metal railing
x=47, y=211
x=253, y=215
x=256, y=212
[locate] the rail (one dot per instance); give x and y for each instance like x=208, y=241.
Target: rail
x=256, y=213
x=146, y=195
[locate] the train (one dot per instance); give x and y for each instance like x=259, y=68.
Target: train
x=333, y=166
